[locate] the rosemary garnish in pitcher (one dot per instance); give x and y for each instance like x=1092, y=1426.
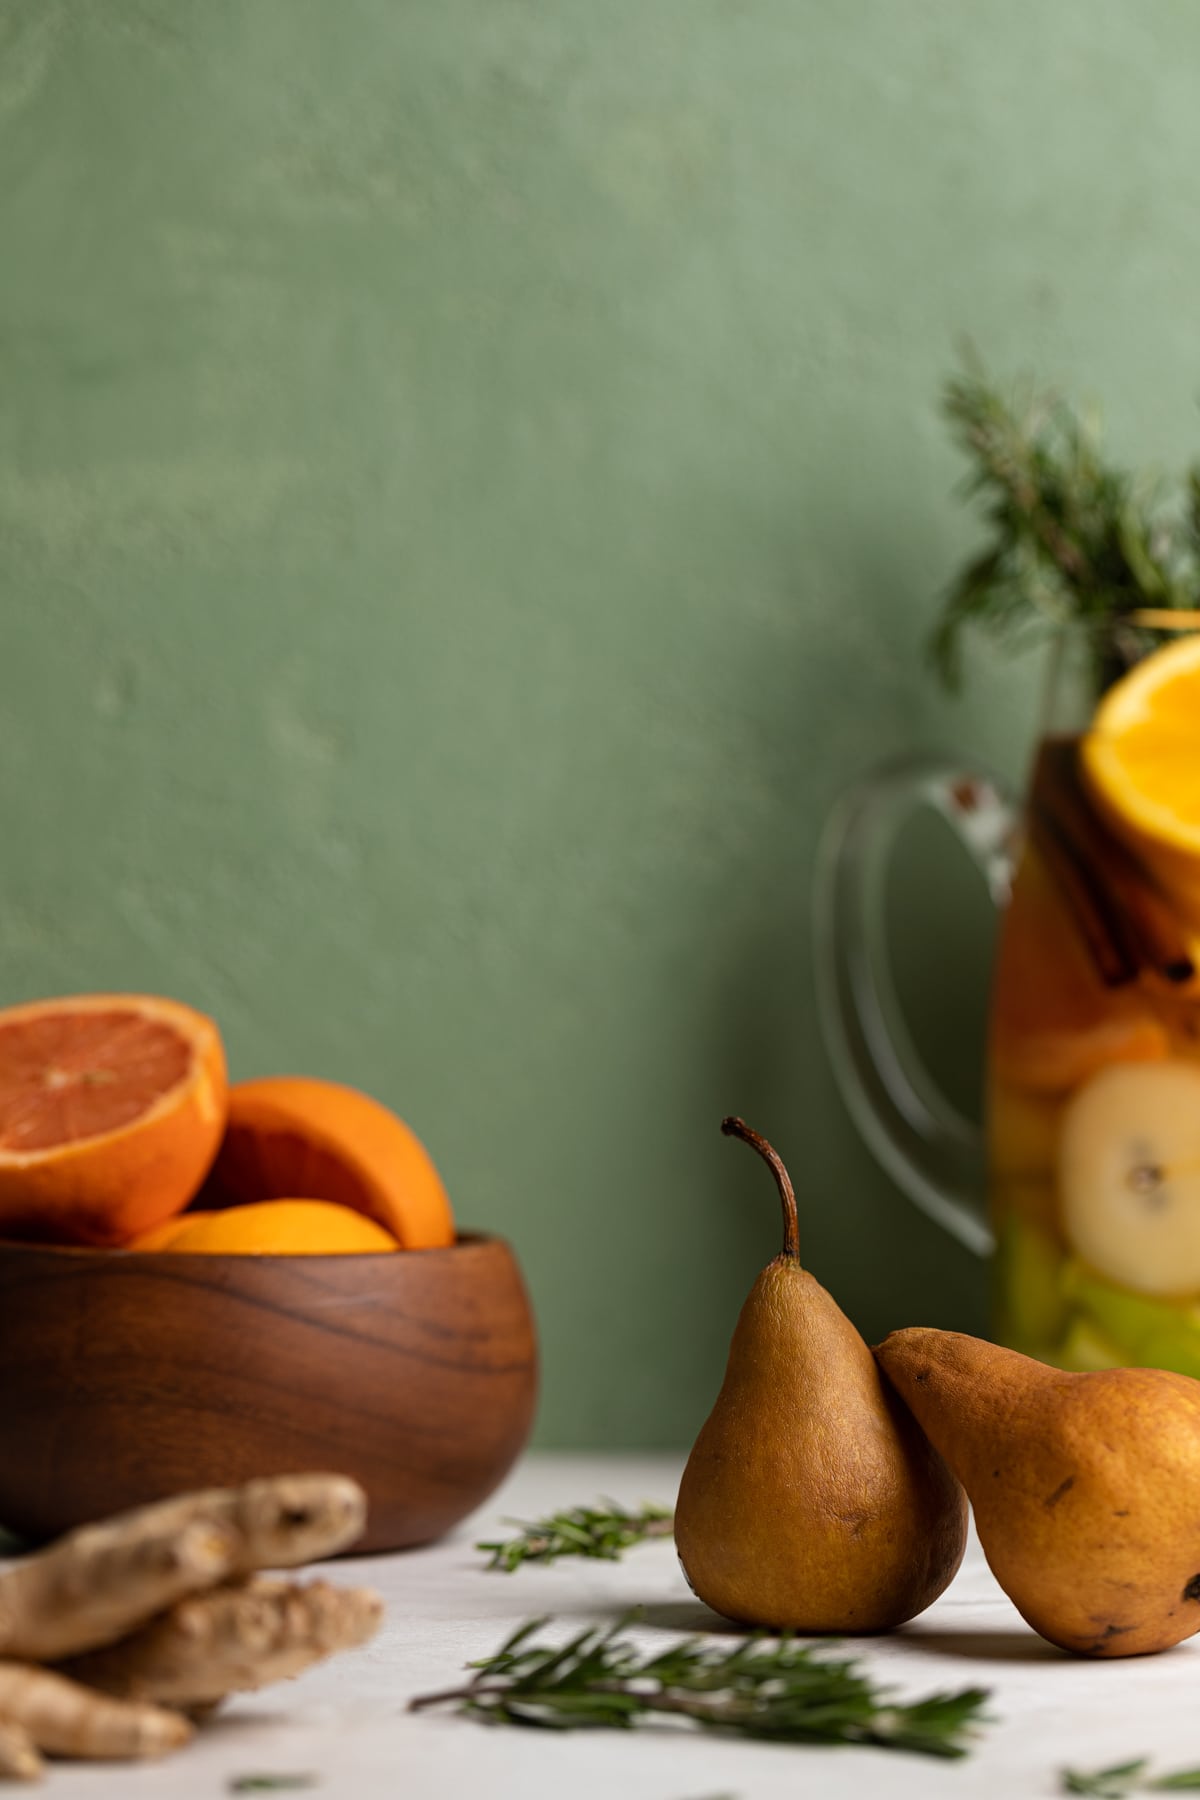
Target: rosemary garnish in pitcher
x=1074, y=538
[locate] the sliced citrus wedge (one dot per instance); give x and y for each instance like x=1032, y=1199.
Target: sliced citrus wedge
x=111, y=1110
x=1141, y=762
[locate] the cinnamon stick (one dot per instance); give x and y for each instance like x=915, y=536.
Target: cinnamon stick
x=1126, y=922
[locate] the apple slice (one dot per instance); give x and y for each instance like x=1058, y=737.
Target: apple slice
x=1129, y=1175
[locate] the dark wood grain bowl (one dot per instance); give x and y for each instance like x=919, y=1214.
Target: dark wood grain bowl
x=125, y=1377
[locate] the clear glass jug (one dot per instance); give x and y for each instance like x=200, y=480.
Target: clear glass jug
x=1084, y=1183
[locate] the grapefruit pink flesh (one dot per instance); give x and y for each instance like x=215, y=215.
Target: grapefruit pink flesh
x=111, y=1110
x=66, y=1077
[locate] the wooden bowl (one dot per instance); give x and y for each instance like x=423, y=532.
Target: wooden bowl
x=128, y=1376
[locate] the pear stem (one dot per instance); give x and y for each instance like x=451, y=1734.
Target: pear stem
x=738, y=1128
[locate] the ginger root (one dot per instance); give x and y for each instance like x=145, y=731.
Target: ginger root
x=232, y=1640
x=68, y=1719
x=102, y=1581
x=160, y=1611
x=19, y=1759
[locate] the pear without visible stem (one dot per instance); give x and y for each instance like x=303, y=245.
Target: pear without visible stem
x=1086, y=1487
x=811, y=1500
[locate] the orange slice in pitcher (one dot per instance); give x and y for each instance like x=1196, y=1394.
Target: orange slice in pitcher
x=111, y=1110
x=1141, y=762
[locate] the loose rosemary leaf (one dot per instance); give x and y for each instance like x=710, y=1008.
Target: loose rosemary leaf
x=603, y=1531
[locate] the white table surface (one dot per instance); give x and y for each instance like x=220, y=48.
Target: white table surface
x=346, y=1721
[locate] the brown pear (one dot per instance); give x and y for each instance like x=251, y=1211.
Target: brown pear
x=811, y=1500
x=1086, y=1488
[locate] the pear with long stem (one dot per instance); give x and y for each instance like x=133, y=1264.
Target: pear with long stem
x=812, y=1501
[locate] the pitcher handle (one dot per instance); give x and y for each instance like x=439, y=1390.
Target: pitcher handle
x=932, y=1152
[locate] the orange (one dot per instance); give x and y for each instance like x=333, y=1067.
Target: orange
x=1141, y=762
x=270, y=1228
x=290, y=1135
x=111, y=1111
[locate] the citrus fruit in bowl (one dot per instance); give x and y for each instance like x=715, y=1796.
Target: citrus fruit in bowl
x=270, y=1228
x=116, y=1116
x=287, y=1136
x=112, y=1107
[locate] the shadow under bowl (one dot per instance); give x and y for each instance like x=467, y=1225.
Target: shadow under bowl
x=128, y=1376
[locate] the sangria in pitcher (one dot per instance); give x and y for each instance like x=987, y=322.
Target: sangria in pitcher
x=1085, y=1183
x=1093, y=1103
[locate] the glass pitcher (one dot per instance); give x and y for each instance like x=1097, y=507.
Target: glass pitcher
x=1084, y=1183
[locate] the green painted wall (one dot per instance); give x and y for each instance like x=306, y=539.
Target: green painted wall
x=471, y=494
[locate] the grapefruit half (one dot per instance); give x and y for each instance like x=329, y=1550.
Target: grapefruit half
x=111, y=1110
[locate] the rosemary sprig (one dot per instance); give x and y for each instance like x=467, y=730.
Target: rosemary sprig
x=604, y=1531
x=1128, y=1778
x=1073, y=537
x=777, y=1689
